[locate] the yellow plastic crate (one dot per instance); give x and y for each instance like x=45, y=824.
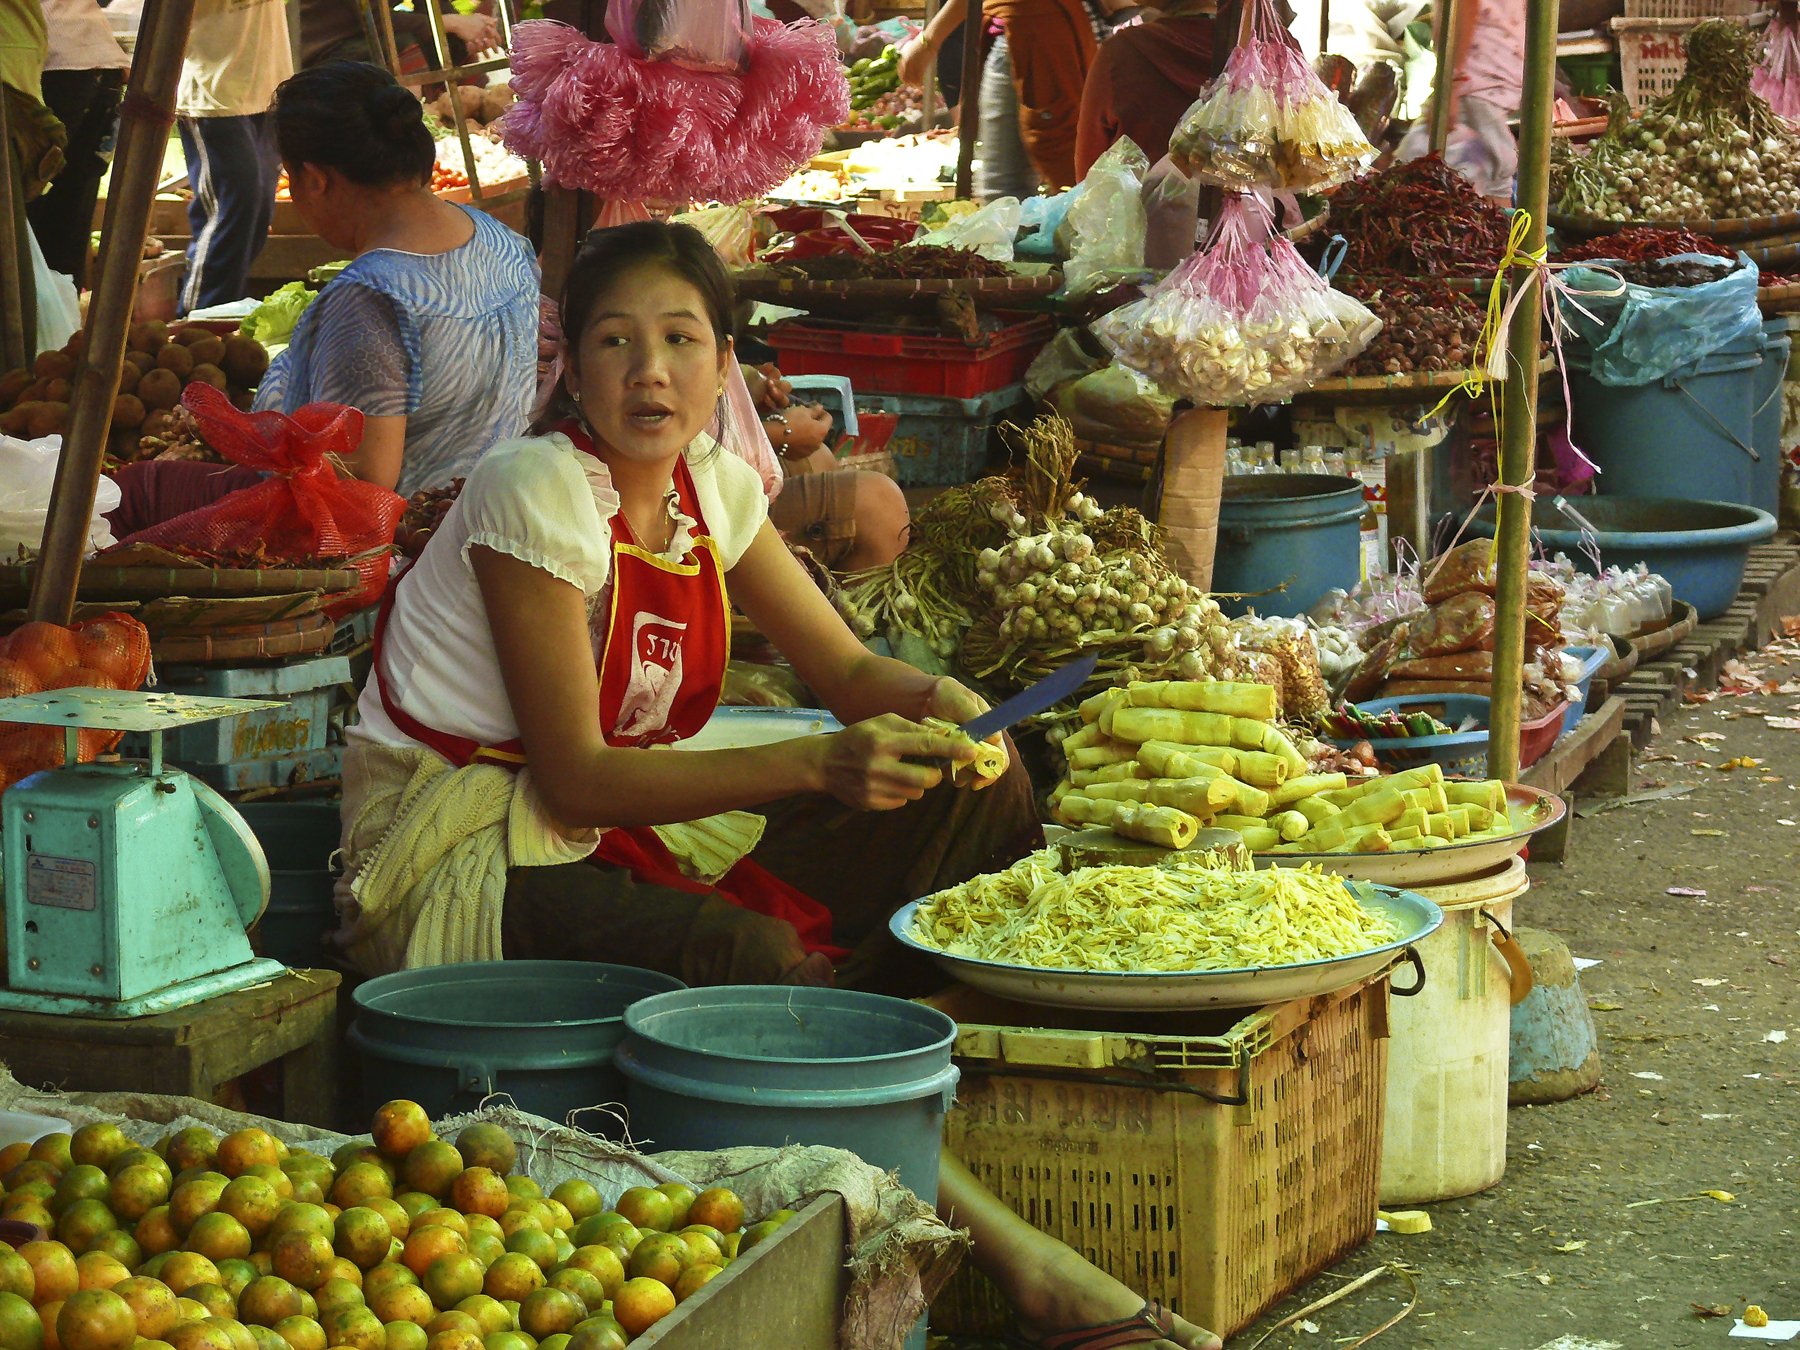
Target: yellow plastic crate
x=1213, y=1165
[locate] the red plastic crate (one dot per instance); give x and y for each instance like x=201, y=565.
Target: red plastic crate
x=899, y=361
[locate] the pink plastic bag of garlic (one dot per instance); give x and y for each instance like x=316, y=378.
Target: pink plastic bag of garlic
x=1269, y=120
x=1243, y=322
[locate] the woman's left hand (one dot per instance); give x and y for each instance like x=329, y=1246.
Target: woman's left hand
x=955, y=702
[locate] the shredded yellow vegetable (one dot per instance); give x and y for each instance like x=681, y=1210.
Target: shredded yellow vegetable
x=1201, y=913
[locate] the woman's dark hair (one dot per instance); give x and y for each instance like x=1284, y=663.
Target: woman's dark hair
x=357, y=119
x=607, y=255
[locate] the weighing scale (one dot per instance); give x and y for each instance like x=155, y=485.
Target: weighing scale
x=128, y=884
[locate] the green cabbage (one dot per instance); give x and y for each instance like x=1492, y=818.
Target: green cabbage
x=274, y=319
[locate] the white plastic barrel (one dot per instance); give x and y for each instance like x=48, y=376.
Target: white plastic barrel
x=1447, y=1059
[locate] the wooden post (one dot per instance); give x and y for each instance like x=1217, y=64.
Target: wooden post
x=15, y=347
x=969, y=106
x=145, y=115
x=1193, y=481
x=1518, y=396
x=928, y=95
x=1445, y=77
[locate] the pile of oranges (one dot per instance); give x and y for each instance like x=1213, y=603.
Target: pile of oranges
x=109, y=652
x=414, y=1243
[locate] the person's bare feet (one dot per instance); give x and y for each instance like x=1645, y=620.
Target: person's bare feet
x=1070, y=1292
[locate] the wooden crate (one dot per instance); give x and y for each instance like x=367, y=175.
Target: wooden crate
x=193, y=1052
x=788, y=1292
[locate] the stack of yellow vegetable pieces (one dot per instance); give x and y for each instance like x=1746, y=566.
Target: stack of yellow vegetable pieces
x=1160, y=761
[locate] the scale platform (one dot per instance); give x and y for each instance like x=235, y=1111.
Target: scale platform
x=128, y=885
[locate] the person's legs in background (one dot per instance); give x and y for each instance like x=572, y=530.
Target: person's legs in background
x=1004, y=169
x=232, y=167
x=87, y=103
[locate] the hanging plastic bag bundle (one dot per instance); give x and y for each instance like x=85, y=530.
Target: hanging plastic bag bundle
x=1777, y=75
x=1243, y=322
x=1269, y=120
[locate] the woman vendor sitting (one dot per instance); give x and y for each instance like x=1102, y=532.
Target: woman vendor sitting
x=431, y=330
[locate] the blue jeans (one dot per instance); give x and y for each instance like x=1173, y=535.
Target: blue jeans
x=232, y=167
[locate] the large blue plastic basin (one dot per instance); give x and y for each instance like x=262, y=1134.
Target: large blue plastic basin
x=1285, y=540
x=1700, y=548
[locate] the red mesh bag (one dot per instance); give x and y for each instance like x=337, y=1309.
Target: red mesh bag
x=304, y=514
x=108, y=652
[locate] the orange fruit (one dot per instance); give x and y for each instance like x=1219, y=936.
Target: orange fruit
x=134, y=1191
x=694, y=1279
x=517, y=1221
x=359, y=1183
x=274, y=1178
x=540, y=1247
x=602, y=1263
x=545, y=1312
x=84, y=1181
x=54, y=1276
x=356, y=1327
x=363, y=1236
x=416, y=1203
x=717, y=1208
x=262, y=1263
x=706, y=1252
x=490, y=1314
x=647, y=1209
x=447, y=1218
x=405, y=1336
x=589, y=1291
x=30, y=1212
x=195, y=1146
x=387, y=1275
x=578, y=1197
x=308, y=1188
x=486, y=1249
x=557, y=1342
x=16, y=1276
x=32, y=1170
x=235, y=1331
x=237, y=1273
x=480, y=1190
x=431, y=1168
x=334, y=1296
x=47, y=1315
x=523, y=1187
x=82, y=1222
x=757, y=1233
x=641, y=1303
x=141, y=1157
x=96, y=1319
x=456, y=1338
x=152, y=1303
x=403, y=1303
x=302, y=1258
x=452, y=1278
x=20, y=1327
x=211, y=1297
x=661, y=1256
x=97, y=1270
x=192, y=1200
x=266, y=1338
x=250, y=1202
x=40, y=1191
x=152, y=1269
x=488, y=1146
x=244, y=1149
x=682, y=1198
x=302, y=1333
x=120, y=1246
x=507, y=1340
x=399, y=1222
x=347, y=1271
x=267, y=1299
x=513, y=1276
x=598, y=1333
x=399, y=1127
x=451, y=1320
x=191, y=1311
x=184, y=1270
x=296, y=1217
x=198, y=1333
x=155, y=1233
x=12, y=1155
x=54, y=1150
x=425, y=1245
x=98, y=1144
x=218, y=1237
x=621, y=1239
x=561, y=1220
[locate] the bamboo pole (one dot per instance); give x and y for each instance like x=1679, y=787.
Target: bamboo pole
x=969, y=105
x=1518, y=396
x=928, y=94
x=145, y=115
x=15, y=348
x=1445, y=76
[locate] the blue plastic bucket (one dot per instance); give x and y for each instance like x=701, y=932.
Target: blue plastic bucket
x=1700, y=548
x=542, y=1031
x=298, y=838
x=1710, y=430
x=1285, y=540
x=771, y=1065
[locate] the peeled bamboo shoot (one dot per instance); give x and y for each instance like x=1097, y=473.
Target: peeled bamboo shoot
x=1308, y=785
x=1290, y=825
x=1378, y=808
x=1099, y=756
x=1092, y=708
x=1315, y=809
x=1131, y=790
x=1255, y=702
x=1087, y=735
x=1261, y=769
x=1197, y=796
x=1168, y=724
x=1166, y=759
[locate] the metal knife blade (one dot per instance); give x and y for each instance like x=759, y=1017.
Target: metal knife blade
x=1053, y=688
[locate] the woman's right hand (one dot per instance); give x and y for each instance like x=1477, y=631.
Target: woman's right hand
x=915, y=60
x=864, y=766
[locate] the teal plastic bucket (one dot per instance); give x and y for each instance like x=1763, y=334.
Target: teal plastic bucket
x=1700, y=548
x=298, y=838
x=1285, y=540
x=1710, y=431
x=768, y=1065
x=543, y=1032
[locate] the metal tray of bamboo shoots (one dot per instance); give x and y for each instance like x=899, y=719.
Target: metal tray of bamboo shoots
x=1529, y=809
x=1416, y=917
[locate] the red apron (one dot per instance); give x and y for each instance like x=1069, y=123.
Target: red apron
x=668, y=638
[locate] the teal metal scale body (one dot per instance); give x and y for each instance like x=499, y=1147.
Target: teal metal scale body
x=128, y=884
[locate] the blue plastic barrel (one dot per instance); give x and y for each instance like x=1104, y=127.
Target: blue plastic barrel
x=298, y=839
x=1285, y=540
x=1710, y=431
x=769, y=1065
x=543, y=1032
x=1700, y=548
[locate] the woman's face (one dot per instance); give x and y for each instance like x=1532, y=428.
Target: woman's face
x=318, y=195
x=649, y=368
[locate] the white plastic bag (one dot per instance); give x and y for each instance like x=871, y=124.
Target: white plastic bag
x=58, y=302
x=27, y=472
x=1107, y=220
x=989, y=231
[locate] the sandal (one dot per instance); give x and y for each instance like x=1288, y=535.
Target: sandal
x=1152, y=1322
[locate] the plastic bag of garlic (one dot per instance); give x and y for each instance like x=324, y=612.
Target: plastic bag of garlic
x=1243, y=322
